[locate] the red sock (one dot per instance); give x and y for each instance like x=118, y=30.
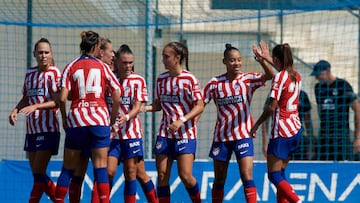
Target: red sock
x=217, y=195
x=50, y=189
x=280, y=197
x=164, y=199
x=95, y=194
x=36, y=192
x=104, y=192
x=288, y=192
x=130, y=198
x=196, y=198
x=74, y=192
x=60, y=194
x=250, y=194
x=151, y=196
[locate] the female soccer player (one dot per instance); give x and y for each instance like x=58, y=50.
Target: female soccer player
x=87, y=124
x=130, y=104
x=232, y=93
x=286, y=126
x=106, y=55
x=178, y=95
x=128, y=139
x=38, y=104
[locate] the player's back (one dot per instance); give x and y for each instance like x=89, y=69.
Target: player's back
x=87, y=78
x=88, y=83
x=286, y=121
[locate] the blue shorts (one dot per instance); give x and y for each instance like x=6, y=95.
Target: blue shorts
x=174, y=147
x=115, y=149
x=222, y=151
x=131, y=148
x=284, y=147
x=87, y=138
x=42, y=141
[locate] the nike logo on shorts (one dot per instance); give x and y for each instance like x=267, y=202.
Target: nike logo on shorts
x=243, y=152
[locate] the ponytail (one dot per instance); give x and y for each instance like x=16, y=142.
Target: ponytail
x=284, y=54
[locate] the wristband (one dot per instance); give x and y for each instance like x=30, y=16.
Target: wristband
x=127, y=117
x=183, y=119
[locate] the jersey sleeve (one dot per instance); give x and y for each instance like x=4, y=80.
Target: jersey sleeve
x=55, y=81
x=24, y=90
x=157, y=90
x=208, y=92
x=349, y=93
x=65, y=78
x=141, y=91
x=256, y=80
x=196, y=90
x=112, y=82
x=276, y=87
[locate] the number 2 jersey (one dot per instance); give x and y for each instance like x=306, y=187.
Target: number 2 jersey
x=232, y=100
x=87, y=78
x=39, y=87
x=285, y=120
x=177, y=96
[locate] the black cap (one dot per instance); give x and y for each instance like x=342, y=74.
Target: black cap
x=320, y=67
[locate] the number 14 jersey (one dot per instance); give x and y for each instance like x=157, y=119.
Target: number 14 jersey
x=87, y=78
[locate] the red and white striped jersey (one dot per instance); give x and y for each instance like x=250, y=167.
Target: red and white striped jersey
x=87, y=78
x=39, y=87
x=285, y=120
x=133, y=89
x=177, y=96
x=232, y=100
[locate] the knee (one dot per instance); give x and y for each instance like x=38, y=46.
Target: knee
x=130, y=172
x=111, y=172
x=142, y=176
x=220, y=178
x=187, y=179
x=162, y=176
x=246, y=175
x=275, y=177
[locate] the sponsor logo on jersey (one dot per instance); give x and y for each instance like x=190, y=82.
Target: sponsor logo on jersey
x=328, y=104
x=230, y=100
x=170, y=98
x=125, y=100
x=36, y=92
x=196, y=87
x=85, y=104
x=144, y=91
